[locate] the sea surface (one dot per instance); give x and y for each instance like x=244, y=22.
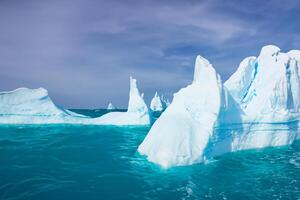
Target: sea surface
x=101, y=162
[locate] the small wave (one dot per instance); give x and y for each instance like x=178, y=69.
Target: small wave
x=295, y=162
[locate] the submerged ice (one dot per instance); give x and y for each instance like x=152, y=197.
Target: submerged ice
x=258, y=106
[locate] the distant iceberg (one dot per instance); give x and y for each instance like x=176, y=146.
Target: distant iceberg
x=110, y=106
x=257, y=107
x=165, y=101
x=34, y=106
x=157, y=104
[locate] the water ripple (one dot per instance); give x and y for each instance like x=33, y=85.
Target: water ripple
x=96, y=162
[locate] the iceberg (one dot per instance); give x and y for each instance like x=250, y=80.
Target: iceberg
x=137, y=112
x=110, y=106
x=33, y=106
x=267, y=87
x=182, y=132
x=165, y=101
x=157, y=104
x=258, y=106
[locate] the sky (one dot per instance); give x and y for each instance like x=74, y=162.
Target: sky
x=83, y=51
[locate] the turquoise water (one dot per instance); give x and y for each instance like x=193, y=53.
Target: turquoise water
x=96, y=112
x=97, y=162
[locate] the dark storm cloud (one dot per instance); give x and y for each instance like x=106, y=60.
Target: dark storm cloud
x=83, y=52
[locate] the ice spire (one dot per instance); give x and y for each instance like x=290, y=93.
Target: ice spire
x=136, y=101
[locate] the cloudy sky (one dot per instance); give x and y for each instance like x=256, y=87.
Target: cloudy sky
x=83, y=51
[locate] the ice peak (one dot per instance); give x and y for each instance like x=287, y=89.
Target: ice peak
x=203, y=71
x=269, y=50
x=267, y=85
x=200, y=63
x=133, y=86
x=136, y=101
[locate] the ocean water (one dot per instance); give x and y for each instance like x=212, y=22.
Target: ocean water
x=101, y=162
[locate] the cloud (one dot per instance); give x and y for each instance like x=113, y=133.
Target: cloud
x=84, y=51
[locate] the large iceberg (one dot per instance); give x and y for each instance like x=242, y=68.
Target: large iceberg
x=267, y=87
x=34, y=106
x=258, y=106
x=137, y=112
x=182, y=132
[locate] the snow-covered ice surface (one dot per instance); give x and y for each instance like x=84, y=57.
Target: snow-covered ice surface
x=34, y=106
x=267, y=87
x=257, y=107
x=265, y=109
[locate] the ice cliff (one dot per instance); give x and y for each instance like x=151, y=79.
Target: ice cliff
x=258, y=106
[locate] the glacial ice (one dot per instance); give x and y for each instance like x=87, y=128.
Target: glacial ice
x=258, y=106
x=268, y=89
x=110, y=106
x=34, y=106
x=157, y=104
x=182, y=132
